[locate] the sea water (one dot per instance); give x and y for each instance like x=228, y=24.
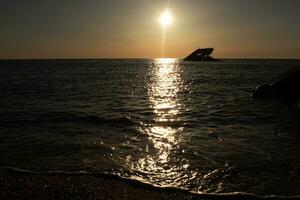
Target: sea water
x=162, y=121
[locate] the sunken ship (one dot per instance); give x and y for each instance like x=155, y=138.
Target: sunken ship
x=201, y=55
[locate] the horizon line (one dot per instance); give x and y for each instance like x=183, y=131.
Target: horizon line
x=128, y=58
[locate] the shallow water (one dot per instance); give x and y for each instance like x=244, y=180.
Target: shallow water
x=165, y=121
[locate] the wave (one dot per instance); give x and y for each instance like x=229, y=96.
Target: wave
x=136, y=182
x=68, y=118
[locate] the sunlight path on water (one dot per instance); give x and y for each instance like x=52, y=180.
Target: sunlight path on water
x=163, y=88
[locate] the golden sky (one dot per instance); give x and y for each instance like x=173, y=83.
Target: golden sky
x=131, y=28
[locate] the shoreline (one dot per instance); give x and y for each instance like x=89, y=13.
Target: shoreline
x=24, y=184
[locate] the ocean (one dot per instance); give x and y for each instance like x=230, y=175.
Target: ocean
x=161, y=121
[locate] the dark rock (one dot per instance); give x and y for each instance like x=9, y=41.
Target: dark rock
x=287, y=88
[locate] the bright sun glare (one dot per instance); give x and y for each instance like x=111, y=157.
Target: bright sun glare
x=166, y=18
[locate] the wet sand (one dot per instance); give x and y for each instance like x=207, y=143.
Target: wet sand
x=26, y=185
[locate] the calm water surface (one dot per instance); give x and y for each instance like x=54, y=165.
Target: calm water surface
x=164, y=121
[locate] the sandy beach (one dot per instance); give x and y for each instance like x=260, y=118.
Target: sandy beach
x=23, y=185
x=27, y=185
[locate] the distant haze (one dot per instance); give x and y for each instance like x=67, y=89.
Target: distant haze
x=131, y=28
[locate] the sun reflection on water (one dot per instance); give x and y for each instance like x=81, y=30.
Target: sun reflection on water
x=163, y=88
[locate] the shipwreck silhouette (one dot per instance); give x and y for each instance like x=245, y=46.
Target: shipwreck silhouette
x=201, y=55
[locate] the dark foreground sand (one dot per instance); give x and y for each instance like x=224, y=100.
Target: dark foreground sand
x=25, y=185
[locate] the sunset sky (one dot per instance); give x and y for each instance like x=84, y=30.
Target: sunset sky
x=131, y=28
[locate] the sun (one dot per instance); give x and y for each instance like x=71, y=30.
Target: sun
x=166, y=18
